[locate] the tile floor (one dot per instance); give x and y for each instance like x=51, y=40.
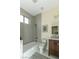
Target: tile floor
x=38, y=56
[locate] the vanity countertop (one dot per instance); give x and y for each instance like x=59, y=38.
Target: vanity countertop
x=53, y=38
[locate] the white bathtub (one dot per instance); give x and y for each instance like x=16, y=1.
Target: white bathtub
x=29, y=49
x=21, y=49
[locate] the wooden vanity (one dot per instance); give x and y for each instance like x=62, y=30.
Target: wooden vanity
x=54, y=47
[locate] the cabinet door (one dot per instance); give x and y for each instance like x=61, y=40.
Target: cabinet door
x=51, y=47
x=54, y=47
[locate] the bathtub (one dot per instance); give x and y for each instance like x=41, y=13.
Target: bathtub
x=21, y=49
x=29, y=49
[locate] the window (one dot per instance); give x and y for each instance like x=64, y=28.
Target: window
x=26, y=20
x=21, y=18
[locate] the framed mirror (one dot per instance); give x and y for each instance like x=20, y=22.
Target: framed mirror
x=54, y=29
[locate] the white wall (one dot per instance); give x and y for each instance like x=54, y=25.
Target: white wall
x=48, y=19
x=27, y=30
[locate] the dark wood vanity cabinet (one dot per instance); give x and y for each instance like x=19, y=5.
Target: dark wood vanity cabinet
x=54, y=47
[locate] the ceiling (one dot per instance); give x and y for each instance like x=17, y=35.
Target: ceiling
x=39, y=6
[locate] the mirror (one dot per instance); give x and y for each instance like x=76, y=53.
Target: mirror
x=54, y=29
